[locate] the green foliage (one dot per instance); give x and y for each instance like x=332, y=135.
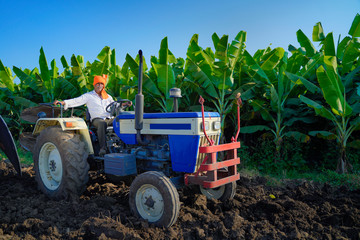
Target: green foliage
x=339, y=99
x=352, y=181
x=293, y=98
x=213, y=73
x=262, y=156
x=25, y=157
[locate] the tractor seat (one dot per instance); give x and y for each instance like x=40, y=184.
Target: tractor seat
x=93, y=128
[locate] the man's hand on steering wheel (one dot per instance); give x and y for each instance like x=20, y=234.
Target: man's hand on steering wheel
x=126, y=104
x=118, y=106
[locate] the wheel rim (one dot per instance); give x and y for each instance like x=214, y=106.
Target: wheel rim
x=215, y=193
x=149, y=202
x=50, y=166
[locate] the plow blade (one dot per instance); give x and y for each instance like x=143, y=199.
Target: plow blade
x=7, y=145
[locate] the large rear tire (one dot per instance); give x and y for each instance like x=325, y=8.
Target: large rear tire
x=60, y=162
x=221, y=193
x=154, y=197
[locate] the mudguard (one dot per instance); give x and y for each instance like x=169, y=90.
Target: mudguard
x=7, y=145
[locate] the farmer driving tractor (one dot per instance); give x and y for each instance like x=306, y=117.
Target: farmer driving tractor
x=96, y=102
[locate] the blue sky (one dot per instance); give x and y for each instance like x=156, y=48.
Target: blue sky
x=85, y=27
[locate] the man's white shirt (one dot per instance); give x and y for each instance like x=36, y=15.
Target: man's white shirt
x=94, y=103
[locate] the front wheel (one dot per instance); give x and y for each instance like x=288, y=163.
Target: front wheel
x=60, y=163
x=154, y=197
x=221, y=193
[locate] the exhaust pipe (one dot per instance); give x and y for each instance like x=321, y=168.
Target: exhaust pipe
x=139, y=104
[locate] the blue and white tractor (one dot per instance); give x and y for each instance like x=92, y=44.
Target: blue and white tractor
x=164, y=151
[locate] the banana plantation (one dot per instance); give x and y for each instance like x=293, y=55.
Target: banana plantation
x=300, y=107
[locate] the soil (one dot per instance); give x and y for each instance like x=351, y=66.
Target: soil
x=298, y=210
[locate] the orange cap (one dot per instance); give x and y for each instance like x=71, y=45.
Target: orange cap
x=101, y=79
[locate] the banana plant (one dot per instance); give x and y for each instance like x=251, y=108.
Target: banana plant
x=13, y=99
x=43, y=83
x=159, y=79
x=121, y=82
x=274, y=96
x=6, y=77
x=77, y=77
x=213, y=73
x=339, y=80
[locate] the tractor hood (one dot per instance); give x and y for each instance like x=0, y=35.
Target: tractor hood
x=7, y=145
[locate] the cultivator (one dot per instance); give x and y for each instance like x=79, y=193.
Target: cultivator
x=7, y=145
x=212, y=174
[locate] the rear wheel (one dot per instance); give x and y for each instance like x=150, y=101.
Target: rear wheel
x=221, y=193
x=60, y=162
x=154, y=197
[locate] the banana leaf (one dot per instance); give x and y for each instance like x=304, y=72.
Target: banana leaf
x=323, y=134
x=296, y=61
x=44, y=69
x=78, y=72
x=165, y=78
x=258, y=106
x=309, y=85
x=305, y=43
x=332, y=87
x=318, y=33
x=254, y=128
x=319, y=109
x=349, y=78
x=236, y=48
x=6, y=77
x=64, y=62
x=148, y=84
x=249, y=60
x=199, y=68
x=165, y=75
x=221, y=47
x=351, y=53
x=64, y=89
x=102, y=67
x=35, y=84
x=341, y=47
x=301, y=137
x=54, y=70
x=355, y=27
x=329, y=46
x=309, y=69
x=272, y=59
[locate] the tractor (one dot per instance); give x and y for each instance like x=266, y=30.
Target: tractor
x=161, y=151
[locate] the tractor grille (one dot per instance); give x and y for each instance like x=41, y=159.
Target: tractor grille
x=204, y=142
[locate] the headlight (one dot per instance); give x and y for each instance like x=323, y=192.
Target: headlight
x=216, y=125
x=207, y=126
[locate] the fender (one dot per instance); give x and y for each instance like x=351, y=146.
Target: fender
x=8, y=146
x=66, y=124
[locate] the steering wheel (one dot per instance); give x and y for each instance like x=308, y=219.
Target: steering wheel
x=116, y=107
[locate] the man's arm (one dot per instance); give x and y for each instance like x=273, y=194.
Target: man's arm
x=74, y=102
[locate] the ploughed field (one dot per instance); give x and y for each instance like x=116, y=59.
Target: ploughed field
x=299, y=210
